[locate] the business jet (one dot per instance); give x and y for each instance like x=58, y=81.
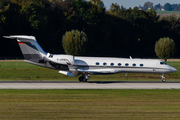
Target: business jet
x=84, y=66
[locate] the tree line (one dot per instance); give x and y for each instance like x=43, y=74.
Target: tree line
x=119, y=32
x=167, y=6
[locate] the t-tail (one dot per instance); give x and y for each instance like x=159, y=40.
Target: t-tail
x=31, y=50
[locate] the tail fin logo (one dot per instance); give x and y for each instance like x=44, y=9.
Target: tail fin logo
x=29, y=47
x=20, y=43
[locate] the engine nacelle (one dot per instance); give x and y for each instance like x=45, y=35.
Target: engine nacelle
x=61, y=59
x=65, y=59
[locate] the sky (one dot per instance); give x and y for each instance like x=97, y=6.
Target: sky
x=133, y=3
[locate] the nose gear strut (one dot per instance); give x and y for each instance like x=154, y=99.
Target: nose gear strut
x=163, y=78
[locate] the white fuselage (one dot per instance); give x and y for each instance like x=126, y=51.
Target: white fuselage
x=117, y=65
x=105, y=65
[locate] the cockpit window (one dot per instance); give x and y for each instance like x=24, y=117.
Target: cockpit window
x=163, y=63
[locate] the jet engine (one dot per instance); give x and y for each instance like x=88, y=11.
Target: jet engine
x=65, y=59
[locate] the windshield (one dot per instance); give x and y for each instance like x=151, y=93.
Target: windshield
x=163, y=63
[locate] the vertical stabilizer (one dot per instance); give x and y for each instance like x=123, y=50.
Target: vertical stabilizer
x=31, y=50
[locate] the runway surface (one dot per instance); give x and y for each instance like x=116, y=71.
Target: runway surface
x=88, y=85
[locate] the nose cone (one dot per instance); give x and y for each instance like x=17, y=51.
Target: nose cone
x=173, y=69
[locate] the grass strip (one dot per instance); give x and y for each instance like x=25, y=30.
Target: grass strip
x=90, y=104
x=25, y=71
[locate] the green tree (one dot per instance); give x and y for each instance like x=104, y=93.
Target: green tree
x=74, y=42
x=165, y=48
x=157, y=7
x=35, y=13
x=148, y=5
x=168, y=7
x=87, y=13
x=99, y=3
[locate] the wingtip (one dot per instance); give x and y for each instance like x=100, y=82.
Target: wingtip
x=6, y=37
x=24, y=37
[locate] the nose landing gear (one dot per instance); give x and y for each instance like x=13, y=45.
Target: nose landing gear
x=163, y=78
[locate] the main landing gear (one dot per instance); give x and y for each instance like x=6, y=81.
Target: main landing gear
x=163, y=78
x=84, y=77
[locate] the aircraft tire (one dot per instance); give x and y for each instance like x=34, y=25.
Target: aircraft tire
x=80, y=79
x=163, y=80
x=84, y=79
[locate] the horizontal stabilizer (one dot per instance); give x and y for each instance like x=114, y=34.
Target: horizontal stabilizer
x=21, y=37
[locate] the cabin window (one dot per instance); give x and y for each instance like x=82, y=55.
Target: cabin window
x=119, y=64
x=134, y=65
x=112, y=64
x=141, y=65
x=126, y=64
x=97, y=63
x=104, y=63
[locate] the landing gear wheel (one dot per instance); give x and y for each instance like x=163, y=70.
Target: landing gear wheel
x=163, y=80
x=82, y=79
